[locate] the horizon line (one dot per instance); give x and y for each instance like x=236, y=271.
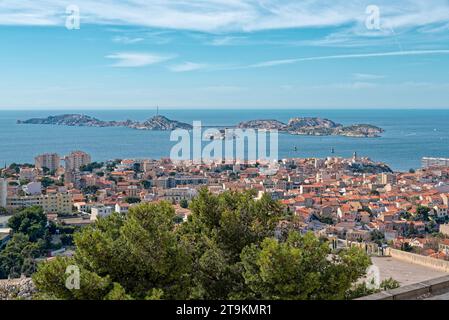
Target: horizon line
x=217, y=108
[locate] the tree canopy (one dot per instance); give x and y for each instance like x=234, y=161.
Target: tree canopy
x=30, y=221
x=227, y=249
x=29, y=239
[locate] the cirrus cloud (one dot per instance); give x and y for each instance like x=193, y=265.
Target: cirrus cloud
x=224, y=15
x=187, y=66
x=136, y=59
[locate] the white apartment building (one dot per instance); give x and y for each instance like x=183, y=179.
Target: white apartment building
x=122, y=207
x=178, y=194
x=82, y=206
x=100, y=211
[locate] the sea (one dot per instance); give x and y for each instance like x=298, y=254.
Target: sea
x=409, y=134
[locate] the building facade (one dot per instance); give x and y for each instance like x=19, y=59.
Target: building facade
x=60, y=203
x=76, y=159
x=47, y=160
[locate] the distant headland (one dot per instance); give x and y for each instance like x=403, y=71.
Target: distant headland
x=297, y=126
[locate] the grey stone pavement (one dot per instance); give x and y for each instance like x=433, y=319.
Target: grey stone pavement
x=444, y=296
x=403, y=272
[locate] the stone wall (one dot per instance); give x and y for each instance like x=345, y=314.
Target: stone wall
x=17, y=289
x=433, y=263
x=417, y=291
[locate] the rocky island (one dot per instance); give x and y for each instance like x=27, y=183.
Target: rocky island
x=156, y=123
x=315, y=127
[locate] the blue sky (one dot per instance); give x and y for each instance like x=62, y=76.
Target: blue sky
x=225, y=53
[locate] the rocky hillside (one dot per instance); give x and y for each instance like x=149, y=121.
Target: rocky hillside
x=161, y=123
x=365, y=130
x=314, y=126
x=300, y=123
x=17, y=289
x=263, y=124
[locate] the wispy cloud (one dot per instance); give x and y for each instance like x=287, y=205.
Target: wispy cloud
x=226, y=41
x=358, y=85
x=225, y=15
x=187, y=66
x=223, y=89
x=126, y=40
x=367, y=76
x=135, y=59
x=272, y=63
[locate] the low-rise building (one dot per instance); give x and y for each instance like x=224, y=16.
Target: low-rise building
x=441, y=211
x=82, y=206
x=122, y=207
x=100, y=211
x=178, y=194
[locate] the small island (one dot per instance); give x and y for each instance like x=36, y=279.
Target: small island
x=297, y=126
x=314, y=127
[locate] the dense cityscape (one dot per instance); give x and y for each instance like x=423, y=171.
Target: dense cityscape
x=347, y=202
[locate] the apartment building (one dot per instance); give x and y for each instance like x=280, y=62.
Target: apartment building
x=178, y=194
x=47, y=160
x=28, y=174
x=173, y=182
x=60, y=203
x=122, y=207
x=100, y=211
x=312, y=188
x=76, y=159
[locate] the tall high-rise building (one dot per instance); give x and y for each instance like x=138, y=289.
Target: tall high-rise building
x=48, y=160
x=3, y=192
x=387, y=178
x=75, y=160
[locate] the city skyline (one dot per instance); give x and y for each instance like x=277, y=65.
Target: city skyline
x=219, y=54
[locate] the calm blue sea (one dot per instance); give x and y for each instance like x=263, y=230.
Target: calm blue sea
x=410, y=134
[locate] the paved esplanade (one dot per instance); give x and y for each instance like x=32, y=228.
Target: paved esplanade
x=404, y=272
